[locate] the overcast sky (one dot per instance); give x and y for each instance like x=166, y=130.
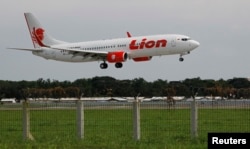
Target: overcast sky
x=221, y=26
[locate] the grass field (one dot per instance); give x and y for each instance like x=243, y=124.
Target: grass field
x=113, y=128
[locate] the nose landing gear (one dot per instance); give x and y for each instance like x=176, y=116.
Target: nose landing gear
x=181, y=59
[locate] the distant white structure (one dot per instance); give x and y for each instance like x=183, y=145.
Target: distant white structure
x=8, y=100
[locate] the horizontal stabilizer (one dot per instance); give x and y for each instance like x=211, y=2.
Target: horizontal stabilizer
x=26, y=49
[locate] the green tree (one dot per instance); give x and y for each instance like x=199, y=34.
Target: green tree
x=58, y=92
x=72, y=92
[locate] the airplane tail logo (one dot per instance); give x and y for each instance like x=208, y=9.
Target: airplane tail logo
x=39, y=36
x=39, y=33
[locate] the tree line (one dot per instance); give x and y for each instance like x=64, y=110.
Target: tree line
x=107, y=86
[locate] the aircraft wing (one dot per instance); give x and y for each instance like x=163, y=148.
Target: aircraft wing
x=86, y=53
x=81, y=51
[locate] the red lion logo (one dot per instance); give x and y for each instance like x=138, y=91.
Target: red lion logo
x=39, y=33
x=38, y=36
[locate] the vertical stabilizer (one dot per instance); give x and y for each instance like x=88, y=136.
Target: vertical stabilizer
x=39, y=35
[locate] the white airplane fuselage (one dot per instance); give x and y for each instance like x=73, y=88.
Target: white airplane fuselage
x=174, y=45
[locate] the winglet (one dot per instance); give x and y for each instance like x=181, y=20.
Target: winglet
x=129, y=35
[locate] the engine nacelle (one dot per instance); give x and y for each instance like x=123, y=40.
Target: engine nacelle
x=141, y=59
x=118, y=56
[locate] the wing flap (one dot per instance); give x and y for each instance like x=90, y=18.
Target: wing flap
x=81, y=51
x=84, y=53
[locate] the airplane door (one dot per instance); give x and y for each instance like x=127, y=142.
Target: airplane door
x=173, y=42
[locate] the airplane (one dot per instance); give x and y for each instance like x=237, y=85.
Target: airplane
x=117, y=51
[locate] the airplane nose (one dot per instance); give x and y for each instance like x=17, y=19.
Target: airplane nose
x=195, y=44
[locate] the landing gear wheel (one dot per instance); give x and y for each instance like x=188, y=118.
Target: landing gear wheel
x=103, y=65
x=181, y=59
x=118, y=65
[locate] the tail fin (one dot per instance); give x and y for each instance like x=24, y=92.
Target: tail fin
x=39, y=36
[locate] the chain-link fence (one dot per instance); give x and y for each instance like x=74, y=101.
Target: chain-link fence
x=108, y=120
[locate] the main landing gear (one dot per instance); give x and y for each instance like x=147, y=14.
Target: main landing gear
x=118, y=65
x=104, y=65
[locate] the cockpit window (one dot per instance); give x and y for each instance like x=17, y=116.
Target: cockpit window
x=185, y=39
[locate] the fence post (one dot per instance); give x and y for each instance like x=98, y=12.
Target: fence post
x=194, y=119
x=136, y=119
x=26, y=122
x=80, y=119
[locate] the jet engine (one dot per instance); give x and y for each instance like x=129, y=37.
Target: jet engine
x=118, y=56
